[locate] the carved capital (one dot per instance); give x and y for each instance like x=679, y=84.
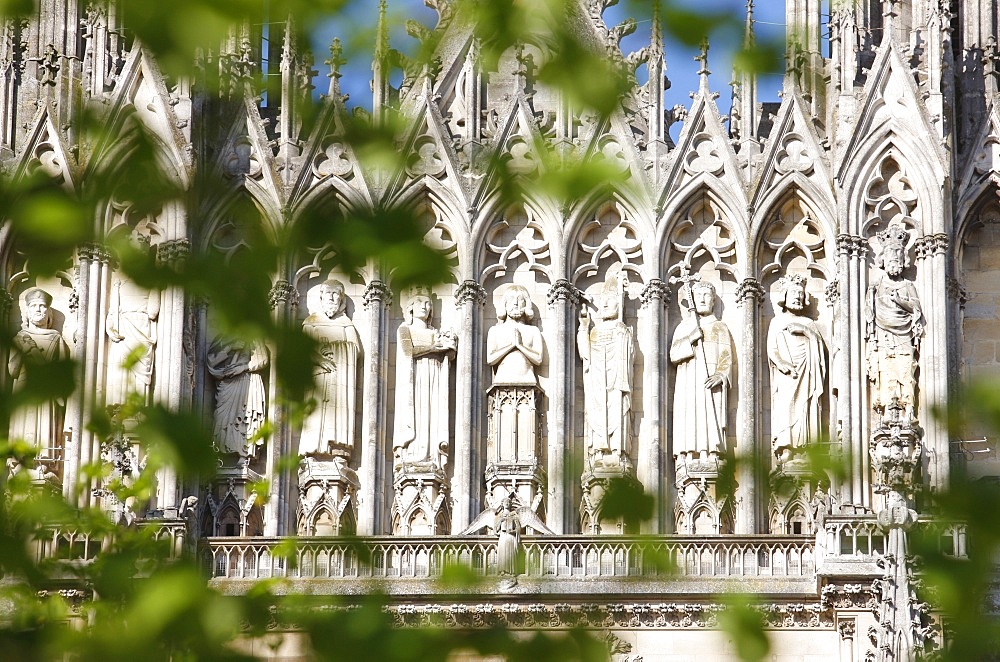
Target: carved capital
x=282, y=292
x=749, y=290
x=923, y=247
x=849, y=245
x=94, y=252
x=470, y=292
x=563, y=290
x=173, y=251
x=377, y=293
x=940, y=244
x=930, y=245
x=846, y=629
x=655, y=291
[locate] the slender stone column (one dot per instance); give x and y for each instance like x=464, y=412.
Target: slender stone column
x=931, y=252
x=852, y=251
x=957, y=298
x=377, y=298
x=652, y=446
x=563, y=298
x=74, y=408
x=837, y=410
x=95, y=261
x=172, y=392
x=283, y=298
x=469, y=299
x=752, y=466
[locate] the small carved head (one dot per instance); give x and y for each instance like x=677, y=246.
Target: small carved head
x=703, y=294
x=793, y=292
x=331, y=298
x=894, y=254
x=36, y=308
x=516, y=304
x=418, y=306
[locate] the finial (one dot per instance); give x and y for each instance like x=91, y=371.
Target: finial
x=703, y=72
x=748, y=34
x=334, y=62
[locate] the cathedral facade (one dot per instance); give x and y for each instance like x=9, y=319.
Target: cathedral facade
x=810, y=278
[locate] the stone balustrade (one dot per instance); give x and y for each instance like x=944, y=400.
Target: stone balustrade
x=854, y=543
x=558, y=557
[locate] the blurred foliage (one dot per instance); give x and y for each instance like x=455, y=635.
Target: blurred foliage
x=141, y=603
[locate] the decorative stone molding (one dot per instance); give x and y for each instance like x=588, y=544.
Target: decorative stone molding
x=470, y=292
x=852, y=245
x=655, y=290
x=848, y=596
x=832, y=292
x=74, y=299
x=634, y=615
x=282, y=292
x=74, y=598
x=749, y=289
x=377, y=292
x=173, y=251
x=6, y=301
x=957, y=292
x=563, y=290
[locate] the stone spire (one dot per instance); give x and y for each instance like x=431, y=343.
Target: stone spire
x=380, y=66
x=289, y=121
x=743, y=118
x=657, y=80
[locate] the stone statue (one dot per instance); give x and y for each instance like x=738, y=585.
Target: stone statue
x=240, y=398
x=702, y=350
x=131, y=326
x=508, y=530
x=607, y=348
x=37, y=423
x=423, y=362
x=513, y=346
x=894, y=327
x=797, y=356
x=329, y=428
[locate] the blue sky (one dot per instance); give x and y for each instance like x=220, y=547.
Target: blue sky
x=355, y=27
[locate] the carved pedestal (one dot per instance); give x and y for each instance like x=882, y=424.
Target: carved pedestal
x=701, y=508
x=120, y=452
x=513, y=463
x=421, y=505
x=791, y=498
x=232, y=505
x=595, y=482
x=328, y=502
